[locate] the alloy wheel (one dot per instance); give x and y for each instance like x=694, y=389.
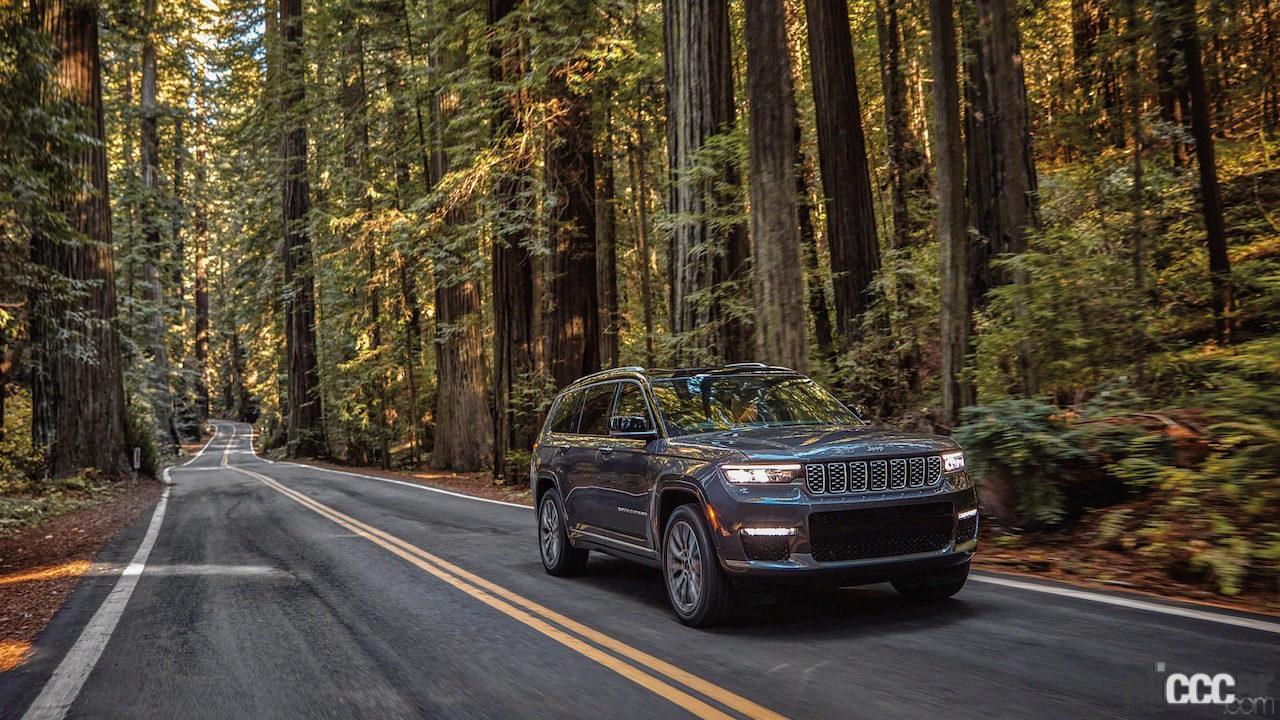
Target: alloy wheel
x=549, y=532
x=684, y=567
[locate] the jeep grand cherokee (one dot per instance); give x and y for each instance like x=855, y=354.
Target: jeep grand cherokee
x=746, y=475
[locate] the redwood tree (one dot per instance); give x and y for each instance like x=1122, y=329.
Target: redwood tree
x=779, y=281
x=842, y=158
x=305, y=415
x=700, y=105
x=77, y=398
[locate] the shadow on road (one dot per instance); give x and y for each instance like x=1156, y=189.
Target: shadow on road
x=848, y=612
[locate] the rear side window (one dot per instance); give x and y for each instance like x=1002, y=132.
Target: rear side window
x=631, y=403
x=564, y=416
x=596, y=409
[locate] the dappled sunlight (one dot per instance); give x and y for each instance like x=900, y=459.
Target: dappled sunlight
x=12, y=653
x=51, y=572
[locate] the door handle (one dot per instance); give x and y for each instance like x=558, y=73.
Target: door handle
x=605, y=449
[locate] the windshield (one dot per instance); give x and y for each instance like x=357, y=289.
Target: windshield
x=703, y=403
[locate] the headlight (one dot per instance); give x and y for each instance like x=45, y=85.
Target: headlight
x=757, y=474
x=953, y=462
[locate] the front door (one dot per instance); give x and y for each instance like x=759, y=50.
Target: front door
x=623, y=468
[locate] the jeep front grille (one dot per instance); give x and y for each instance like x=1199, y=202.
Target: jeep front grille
x=859, y=476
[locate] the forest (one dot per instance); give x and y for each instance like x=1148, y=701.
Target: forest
x=386, y=231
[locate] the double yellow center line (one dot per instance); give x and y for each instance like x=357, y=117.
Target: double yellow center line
x=570, y=633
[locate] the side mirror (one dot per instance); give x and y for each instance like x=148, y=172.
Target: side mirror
x=636, y=426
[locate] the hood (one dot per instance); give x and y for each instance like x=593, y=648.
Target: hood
x=809, y=443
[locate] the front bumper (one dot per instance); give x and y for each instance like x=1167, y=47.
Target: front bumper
x=790, y=507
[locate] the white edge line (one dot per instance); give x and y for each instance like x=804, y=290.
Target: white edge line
x=64, y=685
x=1251, y=623
x=1244, y=622
x=206, y=446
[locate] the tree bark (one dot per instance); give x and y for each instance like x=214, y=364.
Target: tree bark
x=842, y=156
x=78, y=401
x=636, y=159
x=955, y=322
x=816, y=284
x=703, y=255
x=161, y=395
x=571, y=322
x=463, y=426
x=905, y=162
x=781, y=326
x=306, y=436
x=606, y=243
x=201, y=290
x=1188, y=40
x=1012, y=180
x=513, y=264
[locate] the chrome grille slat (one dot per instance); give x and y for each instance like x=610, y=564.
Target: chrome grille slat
x=815, y=478
x=915, y=476
x=897, y=474
x=858, y=476
x=861, y=476
x=879, y=475
x=837, y=477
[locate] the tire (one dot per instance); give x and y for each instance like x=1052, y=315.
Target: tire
x=697, y=588
x=559, y=558
x=933, y=587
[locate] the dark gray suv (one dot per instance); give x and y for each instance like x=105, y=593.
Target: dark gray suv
x=746, y=475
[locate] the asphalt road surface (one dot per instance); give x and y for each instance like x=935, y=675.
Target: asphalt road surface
x=263, y=589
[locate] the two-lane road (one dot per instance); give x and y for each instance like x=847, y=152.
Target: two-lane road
x=279, y=590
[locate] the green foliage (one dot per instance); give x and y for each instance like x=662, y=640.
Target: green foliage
x=24, y=498
x=140, y=432
x=1028, y=442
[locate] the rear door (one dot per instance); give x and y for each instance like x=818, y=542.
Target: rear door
x=624, y=482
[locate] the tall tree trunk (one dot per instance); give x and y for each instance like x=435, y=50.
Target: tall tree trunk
x=153, y=293
x=201, y=290
x=842, y=156
x=513, y=264
x=1188, y=40
x=905, y=162
x=78, y=401
x=1170, y=74
x=572, y=319
x=779, y=282
x=636, y=159
x=816, y=286
x=953, y=234
x=463, y=426
x=606, y=243
x=703, y=255
x=1003, y=117
x=356, y=161
x=306, y=436
x=1137, y=195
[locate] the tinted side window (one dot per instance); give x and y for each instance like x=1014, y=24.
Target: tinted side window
x=564, y=417
x=595, y=409
x=631, y=403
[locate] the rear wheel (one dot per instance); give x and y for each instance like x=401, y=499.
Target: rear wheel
x=558, y=556
x=697, y=588
x=933, y=587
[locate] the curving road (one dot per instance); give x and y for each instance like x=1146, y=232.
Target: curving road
x=265, y=589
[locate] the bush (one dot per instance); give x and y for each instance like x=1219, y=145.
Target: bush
x=1022, y=452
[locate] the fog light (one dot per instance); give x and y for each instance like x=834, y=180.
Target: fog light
x=967, y=514
x=769, y=531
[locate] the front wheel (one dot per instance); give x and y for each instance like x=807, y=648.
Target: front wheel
x=697, y=589
x=559, y=558
x=933, y=587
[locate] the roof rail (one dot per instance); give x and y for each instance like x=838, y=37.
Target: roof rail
x=746, y=364
x=607, y=371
